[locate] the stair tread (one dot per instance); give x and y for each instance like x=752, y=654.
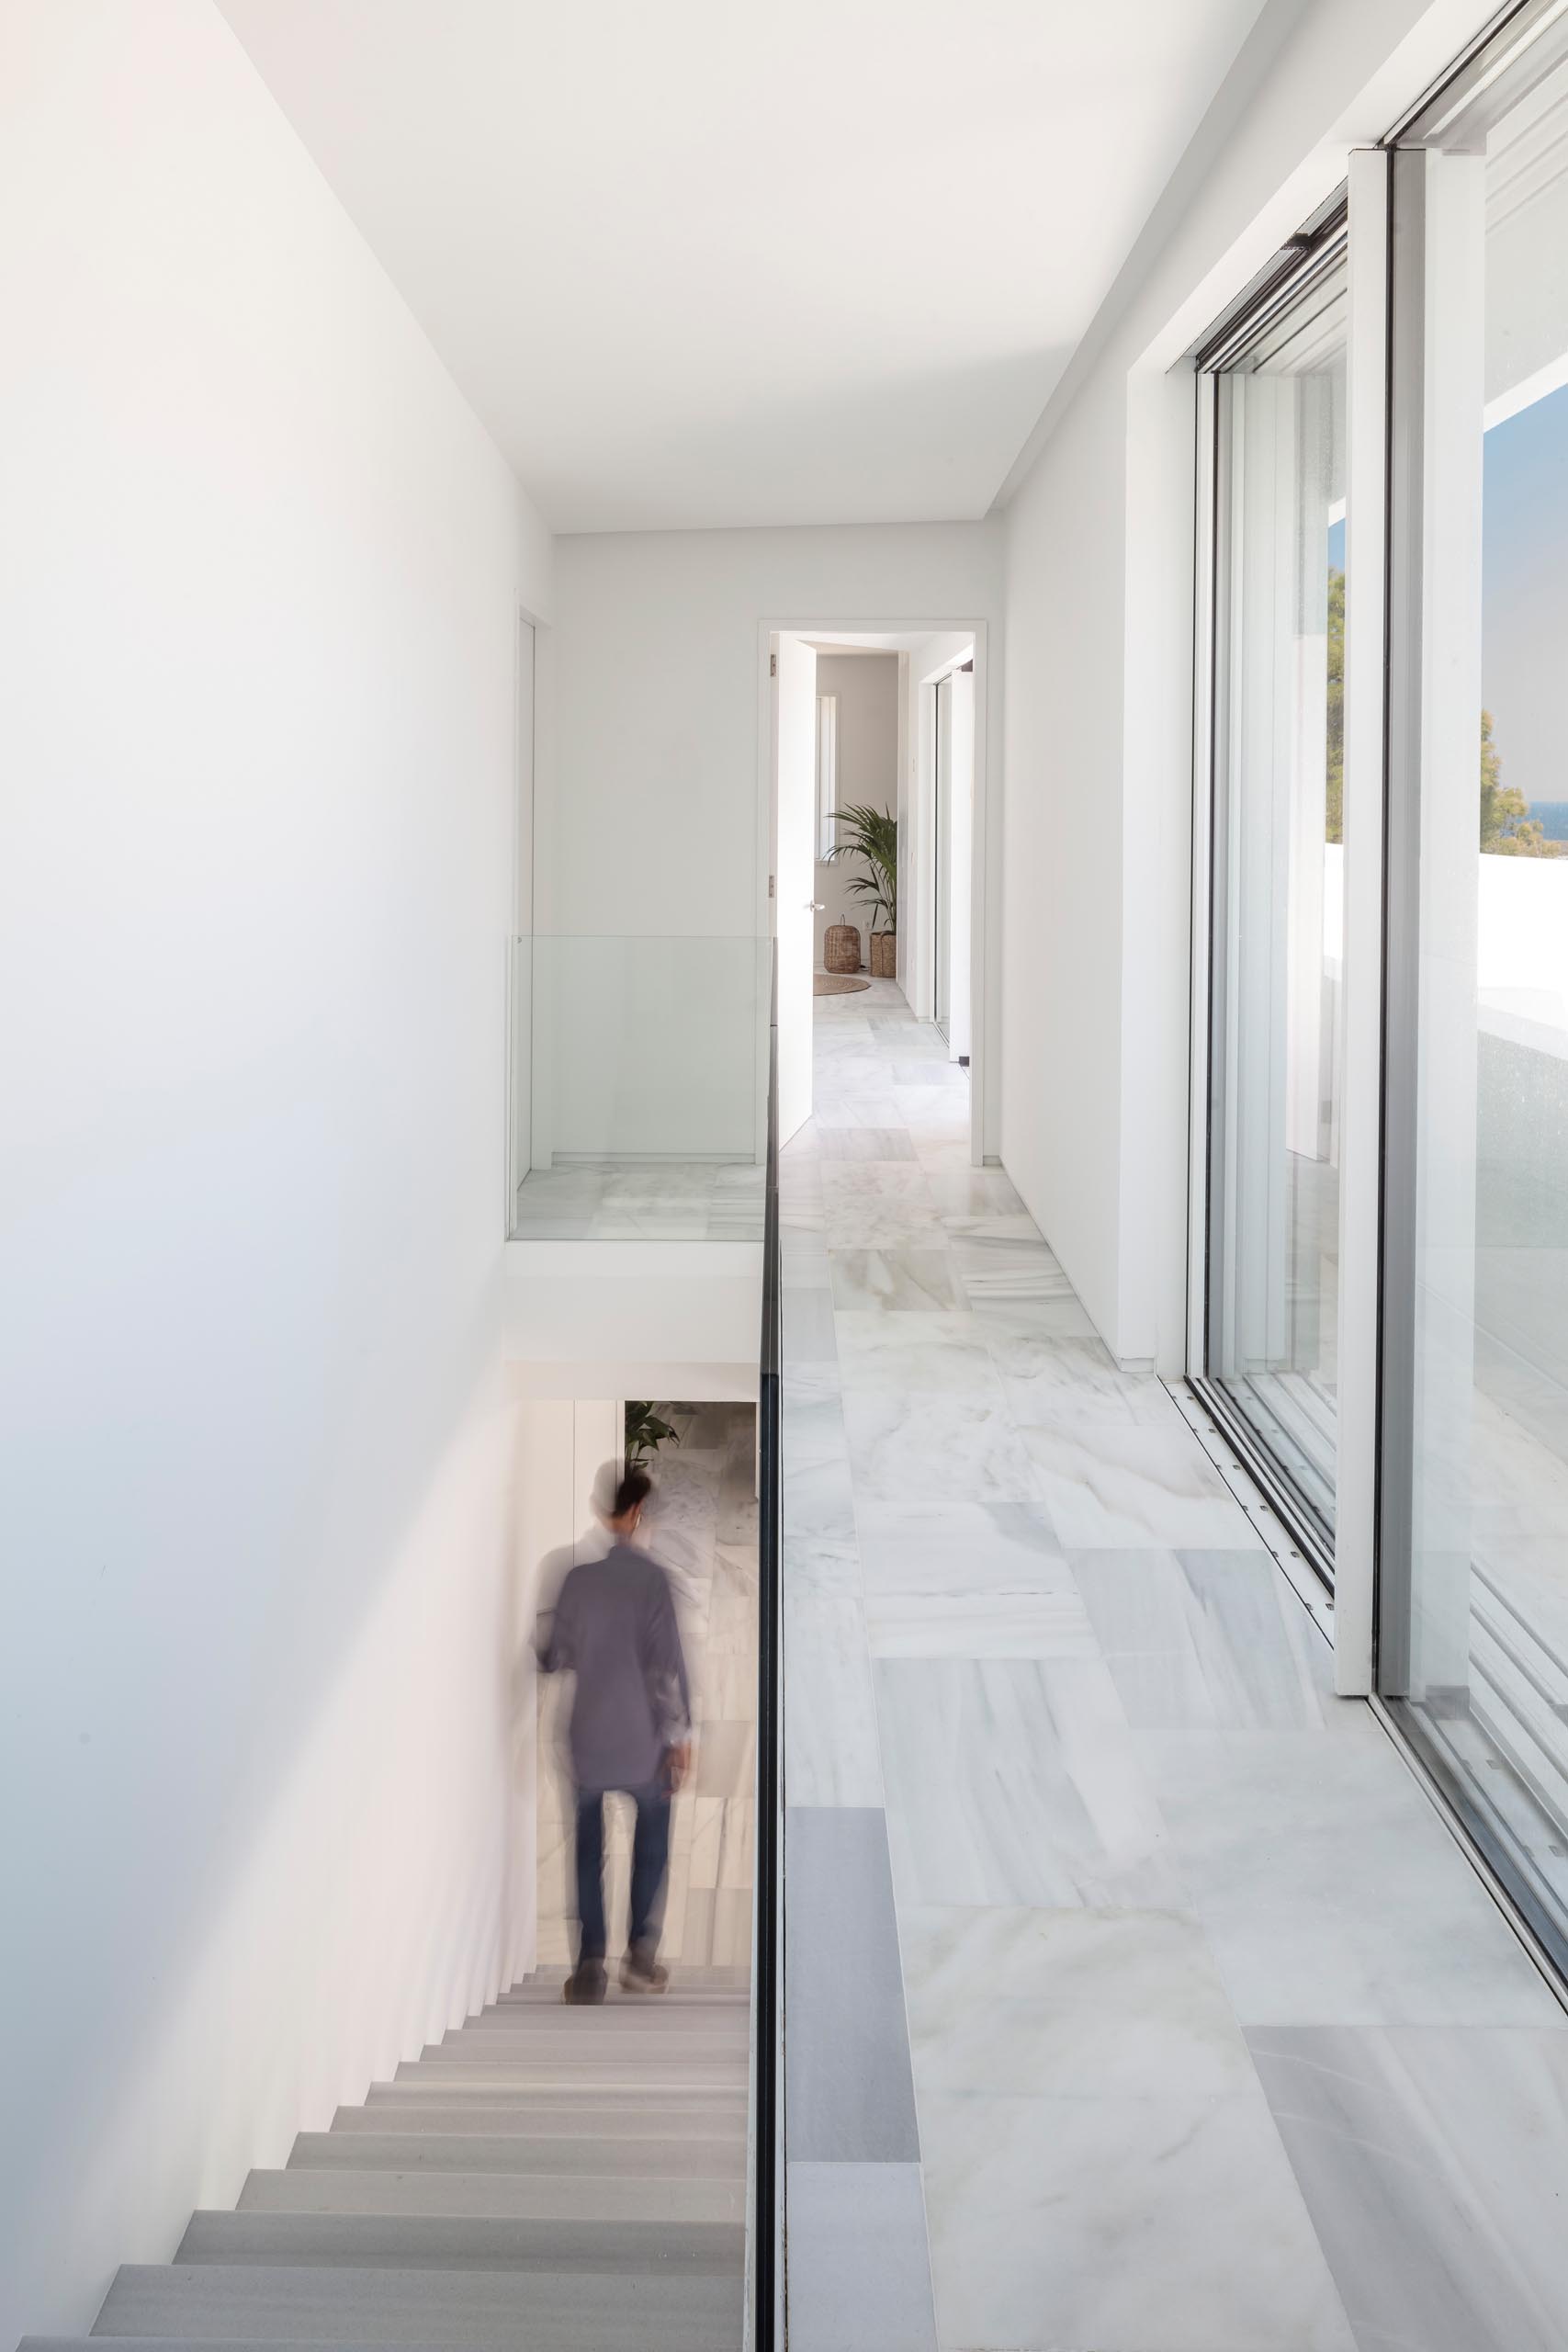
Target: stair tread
x=413, y=2145
x=614, y=2197
x=494, y=2118
x=539, y=2310
x=461, y=2242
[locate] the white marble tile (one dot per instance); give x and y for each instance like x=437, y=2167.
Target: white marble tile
x=974, y=1192
x=914, y=1353
x=1008, y=1270
x=821, y=1564
x=859, y=2268
x=853, y=1109
x=893, y=1280
x=812, y=1426
x=1016, y=1781
x=994, y=1225
x=1016, y=1329
x=953, y=1447
x=1068, y=2003
x=934, y=1110
x=873, y=1223
x=1133, y=2224
x=853, y=1181
x=803, y=1257
x=1138, y=1487
x=1329, y=1889
x=883, y=1146
x=978, y=1624
x=943, y=1150
x=1207, y=1640
x=1079, y=1380
x=1434, y=2163
x=960, y=1549
x=817, y=1501
x=831, y=1752
x=807, y=1315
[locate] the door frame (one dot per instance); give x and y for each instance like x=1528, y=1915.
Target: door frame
x=985, y=939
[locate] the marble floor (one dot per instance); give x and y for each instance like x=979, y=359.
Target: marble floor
x=634, y=1200
x=701, y=1522
x=1139, y=2000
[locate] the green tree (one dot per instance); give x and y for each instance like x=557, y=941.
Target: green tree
x=1507, y=829
x=1334, y=826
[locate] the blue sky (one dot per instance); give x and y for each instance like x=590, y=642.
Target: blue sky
x=1525, y=626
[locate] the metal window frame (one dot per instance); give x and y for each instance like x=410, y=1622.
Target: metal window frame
x=1319, y=248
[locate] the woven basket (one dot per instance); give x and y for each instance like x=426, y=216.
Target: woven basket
x=840, y=947
x=884, y=956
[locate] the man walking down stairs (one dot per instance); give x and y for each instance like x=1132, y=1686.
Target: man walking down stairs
x=546, y=2180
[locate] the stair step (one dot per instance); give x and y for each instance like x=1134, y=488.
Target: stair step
x=543, y=2311
x=562, y=2103
x=605, y=2028
x=686, y=1976
x=662, y=2197
x=461, y=2242
x=410, y=2145
x=494, y=2120
x=594, y=2076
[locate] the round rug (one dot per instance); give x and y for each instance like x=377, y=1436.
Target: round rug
x=835, y=984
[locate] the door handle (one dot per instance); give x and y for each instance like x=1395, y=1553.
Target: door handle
x=815, y=906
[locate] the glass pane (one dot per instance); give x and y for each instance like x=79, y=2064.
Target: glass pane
x=1277, y=887
x=639, y=1083
x=1476, y=1611
x=942, y=846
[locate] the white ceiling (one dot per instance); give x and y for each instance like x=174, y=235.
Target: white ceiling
x=711, y=263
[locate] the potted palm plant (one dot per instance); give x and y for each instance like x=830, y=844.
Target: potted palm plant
x=873, y=835
x=645, y=1432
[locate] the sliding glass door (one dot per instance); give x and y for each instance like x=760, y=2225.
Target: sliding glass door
x=1275, y=405
x=1474, y=1540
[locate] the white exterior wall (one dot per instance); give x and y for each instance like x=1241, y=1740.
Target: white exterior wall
x=258, y=597
x=1095, y=760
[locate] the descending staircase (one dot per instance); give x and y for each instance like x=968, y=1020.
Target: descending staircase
x=545, y=2180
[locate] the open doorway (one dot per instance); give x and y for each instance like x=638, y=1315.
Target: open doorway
x=876, y=748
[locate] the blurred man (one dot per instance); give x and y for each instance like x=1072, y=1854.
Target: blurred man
x=614, y=1629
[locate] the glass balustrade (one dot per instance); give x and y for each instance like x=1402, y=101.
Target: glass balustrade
x=638, y=1087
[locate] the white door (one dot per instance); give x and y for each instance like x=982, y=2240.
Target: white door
x=794, y=867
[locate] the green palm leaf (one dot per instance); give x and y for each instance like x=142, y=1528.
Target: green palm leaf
x=872, y=834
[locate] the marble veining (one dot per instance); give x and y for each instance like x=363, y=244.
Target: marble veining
x=1141, y=2224
x=1014, y=1781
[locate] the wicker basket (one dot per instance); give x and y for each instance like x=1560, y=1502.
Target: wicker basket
x=840, y=947
x=884, y=956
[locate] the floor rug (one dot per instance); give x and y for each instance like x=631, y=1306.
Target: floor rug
x=835, y=984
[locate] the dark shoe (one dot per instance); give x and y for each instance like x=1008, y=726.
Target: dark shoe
x=641, y=1973
x=585, y=1985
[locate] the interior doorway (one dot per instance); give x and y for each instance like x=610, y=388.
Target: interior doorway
x=876, y=761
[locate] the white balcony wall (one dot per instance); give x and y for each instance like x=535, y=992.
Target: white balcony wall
x=258, y=589
x=1097, y=757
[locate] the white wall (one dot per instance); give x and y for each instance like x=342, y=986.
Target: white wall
x=656, y=819
x=866, y=687
x=258, y=600
x=1097, y=698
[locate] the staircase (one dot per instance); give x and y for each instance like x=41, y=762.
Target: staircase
x=545, y=2180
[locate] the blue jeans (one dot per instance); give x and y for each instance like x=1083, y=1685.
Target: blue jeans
x=651, y=1853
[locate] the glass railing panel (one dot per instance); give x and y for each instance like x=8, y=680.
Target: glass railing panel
x=638, y=1087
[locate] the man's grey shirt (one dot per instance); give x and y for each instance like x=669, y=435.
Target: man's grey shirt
x=615, y=1628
